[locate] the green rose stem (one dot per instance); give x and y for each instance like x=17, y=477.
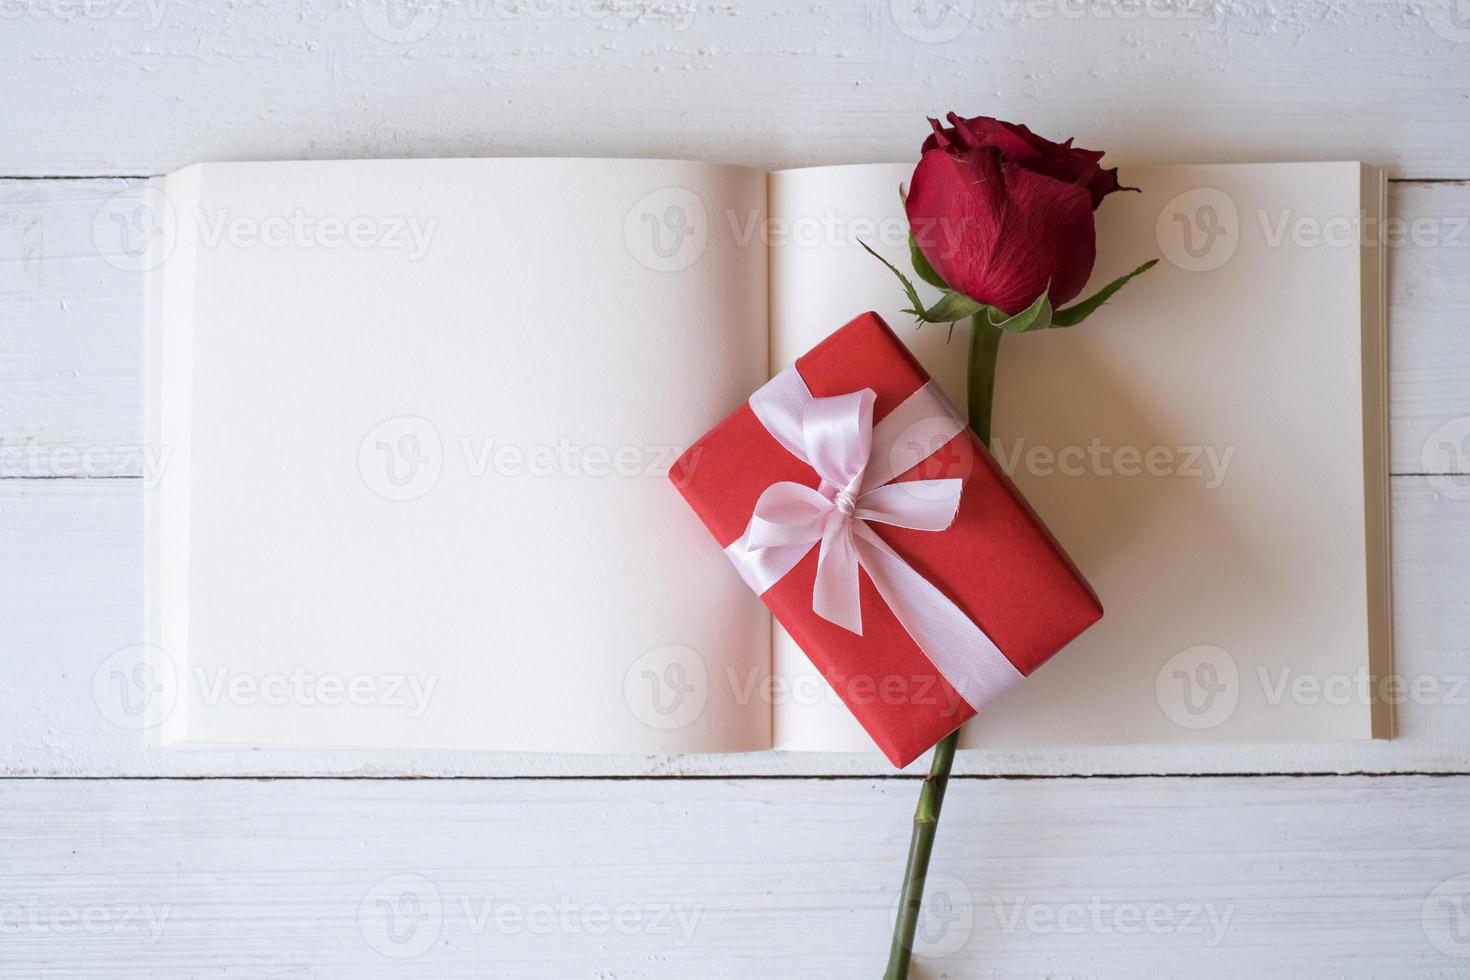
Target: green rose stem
x=984, y=346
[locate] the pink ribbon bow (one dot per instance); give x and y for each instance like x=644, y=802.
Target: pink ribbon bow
x=858, y=462
x=837, y=435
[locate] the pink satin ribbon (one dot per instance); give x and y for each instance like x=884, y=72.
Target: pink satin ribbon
x=857, y=463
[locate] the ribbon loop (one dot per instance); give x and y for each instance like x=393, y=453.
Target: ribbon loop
x=837, y=434
x=857, y=463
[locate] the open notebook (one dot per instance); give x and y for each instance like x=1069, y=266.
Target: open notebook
x=419, y=418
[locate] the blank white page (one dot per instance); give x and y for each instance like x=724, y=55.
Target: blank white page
x=1197, y=446
x=422, y=414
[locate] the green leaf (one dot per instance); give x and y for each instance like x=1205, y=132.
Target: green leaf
x=952, y=306
x=908, y=287
x=1037, y=316
x=1076, y=313
x=922, y=268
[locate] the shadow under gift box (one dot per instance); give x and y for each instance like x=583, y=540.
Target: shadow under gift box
x=997, y=562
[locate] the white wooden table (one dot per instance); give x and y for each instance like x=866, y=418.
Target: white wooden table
x=116, y=861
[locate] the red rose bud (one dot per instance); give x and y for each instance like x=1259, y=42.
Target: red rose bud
x=1002, y=214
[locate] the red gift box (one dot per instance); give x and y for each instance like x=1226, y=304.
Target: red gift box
x=995, y=562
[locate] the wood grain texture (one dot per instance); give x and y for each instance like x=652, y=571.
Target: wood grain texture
x=1162, y=878
x=71, y=599
x=145, y=86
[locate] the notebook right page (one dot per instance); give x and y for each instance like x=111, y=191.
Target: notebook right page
x=1197, y=447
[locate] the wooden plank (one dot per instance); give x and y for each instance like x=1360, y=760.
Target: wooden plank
x=151, y=86
x=1206, y=878
x=71, y=307
x=71, y=332
x=71, y=599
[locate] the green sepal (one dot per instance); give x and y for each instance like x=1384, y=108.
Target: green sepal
x=908, y=287
x=952, y=306
x=922, y=268
x=1037, y=316
x=1076, y=313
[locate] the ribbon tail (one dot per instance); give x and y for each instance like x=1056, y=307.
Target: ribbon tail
x=924, y=505
x=961, y=652
x=836, y=595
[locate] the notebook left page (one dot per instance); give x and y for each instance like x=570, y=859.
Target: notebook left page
x=420, y=417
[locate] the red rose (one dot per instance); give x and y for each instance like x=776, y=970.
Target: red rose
x=1000, y=212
